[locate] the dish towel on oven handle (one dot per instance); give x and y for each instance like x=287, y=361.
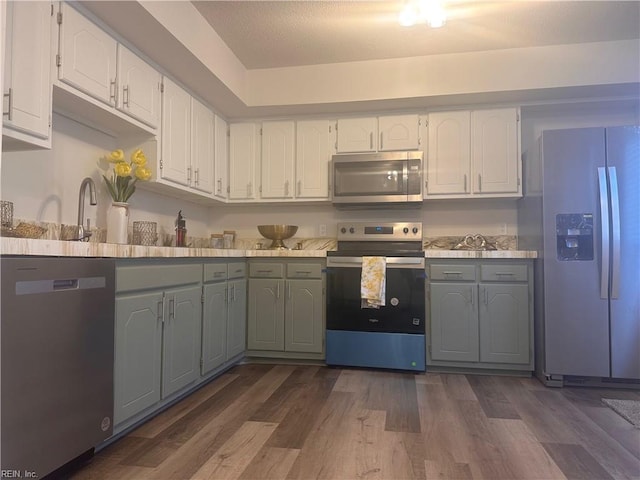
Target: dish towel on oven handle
x=373, y=282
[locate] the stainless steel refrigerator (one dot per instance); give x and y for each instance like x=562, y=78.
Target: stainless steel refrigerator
x=588, y=315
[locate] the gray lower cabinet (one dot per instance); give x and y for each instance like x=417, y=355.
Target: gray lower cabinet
x=157, y=334
x=286, y=307
x=224, y=313
x=480, y=314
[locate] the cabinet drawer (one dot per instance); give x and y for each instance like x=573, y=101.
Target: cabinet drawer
x=503, y=273
x=140, y=277
x=266, y=270
x=214, y=272
x=304, y=270
x=237, y=270
x=453, y=272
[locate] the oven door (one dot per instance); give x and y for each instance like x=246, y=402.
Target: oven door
x=404, y=310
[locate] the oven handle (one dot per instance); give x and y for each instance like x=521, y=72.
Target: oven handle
x=392, y=262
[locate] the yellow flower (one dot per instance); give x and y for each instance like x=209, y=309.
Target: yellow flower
x=138, y=157
x=143, y=173
x=116, y=156
x=122, y=169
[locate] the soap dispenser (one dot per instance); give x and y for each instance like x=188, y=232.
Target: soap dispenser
x=181, y=230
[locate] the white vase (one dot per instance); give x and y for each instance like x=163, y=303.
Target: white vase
x=117, y=222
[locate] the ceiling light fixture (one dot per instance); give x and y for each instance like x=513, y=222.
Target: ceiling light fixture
x=430, y=12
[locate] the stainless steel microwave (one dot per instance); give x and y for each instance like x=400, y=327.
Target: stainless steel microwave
x=372, y=179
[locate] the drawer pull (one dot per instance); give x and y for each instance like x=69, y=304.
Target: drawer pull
x=264, y=271
x=509, y=274
x=452, y=273
x=305, y=272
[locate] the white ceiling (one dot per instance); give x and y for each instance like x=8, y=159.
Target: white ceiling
x=265, y=34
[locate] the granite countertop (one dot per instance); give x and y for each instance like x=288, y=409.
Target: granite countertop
x=58, y=248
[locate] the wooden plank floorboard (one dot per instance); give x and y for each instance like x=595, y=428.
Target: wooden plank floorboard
x=576, y=462
x=492, y=400
x=311, y=422
x=614, y=458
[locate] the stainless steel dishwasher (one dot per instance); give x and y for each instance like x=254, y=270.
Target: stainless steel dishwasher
x=57, y=329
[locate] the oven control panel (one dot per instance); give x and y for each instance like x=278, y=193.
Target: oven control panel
x=364, y=231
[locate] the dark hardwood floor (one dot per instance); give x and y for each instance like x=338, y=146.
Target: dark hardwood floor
x=306, y=422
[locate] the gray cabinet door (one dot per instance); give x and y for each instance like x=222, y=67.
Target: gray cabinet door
x=454, y=322
x=303, y=316
x=138, y=347
x=504, y=323
x=265, y=321
x=237, y=317
x=181, y=343
x=214, y=326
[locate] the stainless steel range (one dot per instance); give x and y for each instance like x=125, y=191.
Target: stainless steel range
x=392, y=336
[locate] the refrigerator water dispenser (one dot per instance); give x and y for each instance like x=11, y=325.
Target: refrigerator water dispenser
x=574, y=236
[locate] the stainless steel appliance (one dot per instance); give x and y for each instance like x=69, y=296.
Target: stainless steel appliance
x=586, y=223
x=57, y=360
x=392, y=336
x=377, y=179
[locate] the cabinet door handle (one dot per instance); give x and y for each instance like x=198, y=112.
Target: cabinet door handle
x=172, y=313
x=219, y=185
x=486, y=297
x=9, y=112
x=125, y=96
x=299, y=185
x=197, y=174
x=278, y=290
x=288, y=290
x=233, y=293
x=381, y=141
x=465, y=183
x=479, y=182
x=472, y=299
x=371, y=141
x=226, y=295
x=112, y=90
x=188, y=174
x=160, y=311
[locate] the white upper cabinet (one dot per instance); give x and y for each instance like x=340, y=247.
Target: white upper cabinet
x=449, y=158
x=244, y=158
x=314, y=140
x=495, y=150
x=473, y=154
x=278, y=149
x=398, y=132
x=384, y=133
x=221, y=161
x=27, y=81
x=202, y=147
x=175, y=160
x=188, y=142
x=87, y=56
x=138, y=88
x=357, y=135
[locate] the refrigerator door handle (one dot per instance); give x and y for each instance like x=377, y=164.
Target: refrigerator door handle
x=615, y=233
x=604, y=232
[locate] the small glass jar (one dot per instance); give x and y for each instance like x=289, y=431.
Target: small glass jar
x=229, y=238
x=216, y=241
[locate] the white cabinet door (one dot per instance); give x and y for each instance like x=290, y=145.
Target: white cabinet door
x=495, y=151
x=202, y=147
x=27, y=83
x=221, y=162
x=313, y=154
x=139, y=88
x=87, y=56
x=176, y=136
x=244, y=155
x=357, y=135
x=449, y=157
x=398, y=132
x=277, y=162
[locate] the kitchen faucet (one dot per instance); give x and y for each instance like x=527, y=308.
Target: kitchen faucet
x=82, y=236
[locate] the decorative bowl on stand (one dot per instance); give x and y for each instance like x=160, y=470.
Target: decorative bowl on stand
x=277, y=233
